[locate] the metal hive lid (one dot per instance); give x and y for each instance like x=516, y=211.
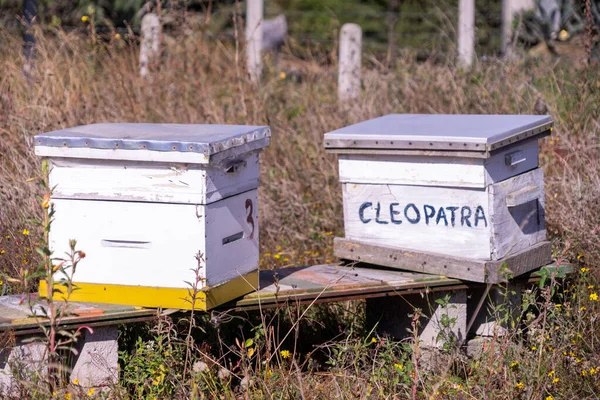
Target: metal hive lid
x=195, y=138
x=475, y=133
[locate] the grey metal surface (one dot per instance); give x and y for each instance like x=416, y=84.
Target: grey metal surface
x=478, y=133
x=206, y=139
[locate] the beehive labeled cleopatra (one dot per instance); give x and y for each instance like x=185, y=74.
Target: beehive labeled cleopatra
x=151, y=203
x=455, y=195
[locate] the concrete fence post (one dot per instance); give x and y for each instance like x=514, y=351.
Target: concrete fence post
x=511, y=8
x=150, y=46
x=254, y=35
x=349, y=62
x=466, y=33
x=29, y=18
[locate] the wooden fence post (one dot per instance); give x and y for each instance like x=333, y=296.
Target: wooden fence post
x=466, y=33
x=29, y=14
x=150, y=46
x=349, y=62
x=509, y=9
x=254, y=34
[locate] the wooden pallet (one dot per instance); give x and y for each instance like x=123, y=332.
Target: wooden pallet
x=485, y=271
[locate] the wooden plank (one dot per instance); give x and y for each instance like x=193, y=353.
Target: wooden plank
x=418, y=261
x=435, y=170
x=412, y=170
x=17, y=316
x=520, y=263
x=335, y=282
x=156, y=182
x=453, y=267
x=520, y=227
x=442, y=220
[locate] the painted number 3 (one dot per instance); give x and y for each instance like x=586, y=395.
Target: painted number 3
x=249, y=217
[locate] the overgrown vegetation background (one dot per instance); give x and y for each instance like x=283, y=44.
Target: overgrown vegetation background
x=93, y=77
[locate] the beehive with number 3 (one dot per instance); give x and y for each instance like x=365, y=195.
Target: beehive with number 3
x=456, y=195
x=151, y=205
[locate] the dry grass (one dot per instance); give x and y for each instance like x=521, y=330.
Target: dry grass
x=300, y=202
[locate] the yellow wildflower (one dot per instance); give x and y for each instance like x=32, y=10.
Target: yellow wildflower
x=590, y=286
x=582, y=308
x=85, y=18
x=117, y=36
x=75, y=381
x=555, y=380
x=91, y=392
x=250, y=351
x=520, y=385
x=551, y=373
x=2, y=251
x=68, y=396
x=584, y=373
x=285, y=353
x=399, y=367
x=584, y=269
x=580, y=256
x=373, y=340
x=514, y=364
x=329, y=233
x=549, y=398
x=282, y=75
x=563, y=35
x=277, y=256
x=533, y=348
x=594, y=296
x=25, y=232
x=593, y=371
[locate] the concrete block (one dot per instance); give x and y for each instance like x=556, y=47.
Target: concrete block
x=18, y=361
x=438, y=325
x=97, y=363
x=499, y=313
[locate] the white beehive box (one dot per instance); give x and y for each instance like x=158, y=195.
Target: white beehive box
x=142, y=200
x=458, y=195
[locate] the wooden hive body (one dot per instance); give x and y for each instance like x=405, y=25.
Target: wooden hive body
x=143, y=200
x=465, y=187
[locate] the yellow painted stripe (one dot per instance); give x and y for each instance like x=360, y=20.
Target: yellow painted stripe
x=146, y=296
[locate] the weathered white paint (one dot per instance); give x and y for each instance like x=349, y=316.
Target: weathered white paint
x=254, y=34
x=458, y=240
x=150, y=244
x=349, y=62
x=411, y=170
x=521, y=225
x=150, y=45
x=155, y=182
x=466, y=32
x=436, y=171
x=513, y=211
x=510, y=10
